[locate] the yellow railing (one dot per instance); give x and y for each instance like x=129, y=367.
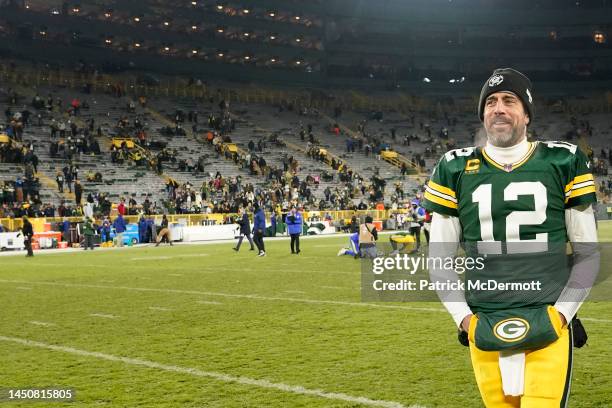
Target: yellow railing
x=12, y=224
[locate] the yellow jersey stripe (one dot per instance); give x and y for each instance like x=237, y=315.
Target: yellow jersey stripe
x=440, y=201
x=441, y=189
x=581, y=191
x=579, y=179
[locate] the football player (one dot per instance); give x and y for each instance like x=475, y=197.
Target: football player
x=516, y=203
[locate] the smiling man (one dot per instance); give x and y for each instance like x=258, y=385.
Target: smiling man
x=516, y=203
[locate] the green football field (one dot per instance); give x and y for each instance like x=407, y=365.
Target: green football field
x=202, y=326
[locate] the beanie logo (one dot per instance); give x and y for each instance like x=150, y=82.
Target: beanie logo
x=529, y=95
x=496, y=80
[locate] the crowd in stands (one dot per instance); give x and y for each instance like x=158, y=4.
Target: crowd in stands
x=283, y=185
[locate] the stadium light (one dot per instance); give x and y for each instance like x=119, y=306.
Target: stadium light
x=246, y=11
x=297, y=40
x=27, y=6
x=76, y=10
x=194, y=27
x=599, y=37
x=137, y=19
x=194, y=3
x=194, y=52
x=297, y=18
x=166, y=23
x=55, y=12
x=220, y=30
x=108, y=13
x=108, y=41
x=42, y=33
x=137, y=45
x=219, y=7
x=426, y=80
x=271, y=14
x=272, y=37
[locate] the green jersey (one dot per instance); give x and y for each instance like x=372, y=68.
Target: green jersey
x=513, y=214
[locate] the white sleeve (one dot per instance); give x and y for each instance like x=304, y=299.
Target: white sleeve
x=582, y=233
x=446, y=232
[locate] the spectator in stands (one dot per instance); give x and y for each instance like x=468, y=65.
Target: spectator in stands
x=78, y=192
x=258, y=228
x=121, y=207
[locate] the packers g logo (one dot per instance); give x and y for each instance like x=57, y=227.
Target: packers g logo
x=511, y=330
x=496, y=80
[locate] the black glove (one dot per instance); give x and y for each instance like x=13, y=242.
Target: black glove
x=579, y=333
x=462, y=336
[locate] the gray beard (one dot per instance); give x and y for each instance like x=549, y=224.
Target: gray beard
x=506, y=140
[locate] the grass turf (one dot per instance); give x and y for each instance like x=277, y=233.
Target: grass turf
x=208, y=308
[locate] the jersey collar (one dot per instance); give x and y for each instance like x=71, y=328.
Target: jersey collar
x=509, y=167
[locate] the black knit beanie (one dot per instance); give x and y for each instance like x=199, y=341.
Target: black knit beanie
x=508, y=79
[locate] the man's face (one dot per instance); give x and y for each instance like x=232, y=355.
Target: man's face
x=505, y=119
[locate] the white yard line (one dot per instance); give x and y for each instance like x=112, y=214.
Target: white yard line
x=44, y=324
x=253, y=382
x=175, y=274
x=294, y=291
x=23, y=288
x=232, y=295
x=161, y=309
x=150, y=258
x=591, y=319
x=208, y=302
x=104, y=316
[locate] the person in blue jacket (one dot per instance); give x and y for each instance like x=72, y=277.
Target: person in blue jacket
x=259, y=226
x=353, y=249
x=120, y=227
x=142, y=229
x=294, y=228
x=105, y=230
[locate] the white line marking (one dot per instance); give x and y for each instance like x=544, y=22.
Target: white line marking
x=161, y=309
x=44, y=324
x=105, y=316
x=174, y=274
x=295, y=389
x=23, y=288
x=107, y=281
x=150, y=258
x=208, y=302
x=591, y=319
x=232, y=295
x=190, y=256
x=293, y=291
